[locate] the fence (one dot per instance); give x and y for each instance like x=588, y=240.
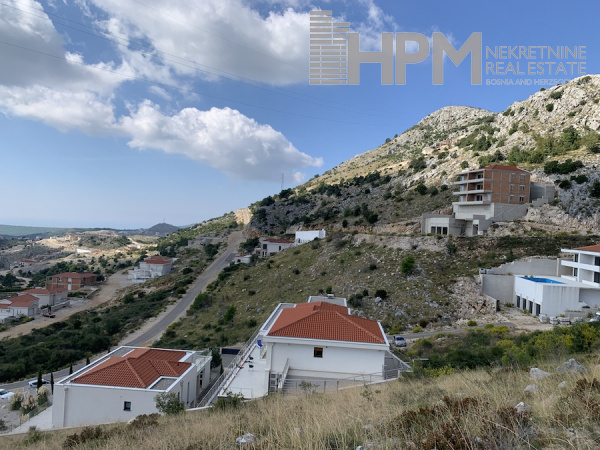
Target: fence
x=228, y=372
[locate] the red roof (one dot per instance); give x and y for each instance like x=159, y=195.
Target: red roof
x=279, y=241
x=158, y=260
x=22, y=301
x=138, y=369
x=326, y=321
x=501, y=167
x=590, y=248
x=73, y=275
x=44, y=291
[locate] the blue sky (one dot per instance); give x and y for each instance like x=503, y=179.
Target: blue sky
x=126, y=113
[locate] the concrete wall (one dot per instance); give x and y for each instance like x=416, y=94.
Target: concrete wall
x=499, y=287
x=542, y=191
x=545, y=267
x=302, y=237
x=337, y=362
x=590, y=297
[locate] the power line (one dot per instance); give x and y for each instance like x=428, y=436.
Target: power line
x=229, y=75
x=171, y=86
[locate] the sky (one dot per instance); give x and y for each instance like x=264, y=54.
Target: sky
x=127, y=113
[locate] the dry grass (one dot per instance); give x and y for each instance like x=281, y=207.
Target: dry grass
x=465, y=410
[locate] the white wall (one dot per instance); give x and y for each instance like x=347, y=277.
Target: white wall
x=337, y=361
x=83, y=404
x=555, y=299
x=302, y=237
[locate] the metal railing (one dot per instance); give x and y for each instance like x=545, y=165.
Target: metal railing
x=284, y=373
x=228, y=372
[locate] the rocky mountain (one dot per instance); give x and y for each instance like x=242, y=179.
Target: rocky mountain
x=554, y=134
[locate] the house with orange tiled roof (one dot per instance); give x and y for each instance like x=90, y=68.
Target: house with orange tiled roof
x=123, y=384
x=270, y=246
x=21, y=305
x=577, y=289
x=48, y=296
x=71, y=281
x=319, y=340
x=152, y=267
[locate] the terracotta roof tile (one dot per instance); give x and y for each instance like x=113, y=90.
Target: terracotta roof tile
x=24, y=300
x=73, y=275
x=325, y=321
x=590, y=248
x=278, y=241
x=158, y=260
x=44, y=291
x=138, y=369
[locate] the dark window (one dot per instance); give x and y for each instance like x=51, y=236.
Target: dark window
x=596, y=277
x=318, y=352
x=521, y=187
x=264, y=246
x=575, y=271
x=597, y=261
x=518, y=301
x=576, y=257
x=521, y=198
x=126, y=406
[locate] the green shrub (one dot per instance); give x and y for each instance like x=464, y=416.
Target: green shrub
x=408, y=265
x=550, y=107
x=556, y=95
x=471, y=323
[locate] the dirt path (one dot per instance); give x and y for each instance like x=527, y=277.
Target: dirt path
x=106, y=292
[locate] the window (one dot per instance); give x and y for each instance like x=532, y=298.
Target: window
x=318, y=352
x=522, y=176
x=597, y=261
x=575, y=271
x=521, y=198
x=512, y=198
x=126, y=406
x=521, y=187
x=479, y=198
x=596, y=277
x=576, y=257
x=512, y=176
x=512, y=187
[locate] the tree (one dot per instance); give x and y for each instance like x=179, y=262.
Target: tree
x=71, y=369
x=595, y=189
x=216, y=360
x=230, y=314
x=169, y=403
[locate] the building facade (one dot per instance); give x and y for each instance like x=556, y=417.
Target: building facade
x=70, y=281
x=302, y=237
x=270, y=246
x=123, y=384
x=491, y=194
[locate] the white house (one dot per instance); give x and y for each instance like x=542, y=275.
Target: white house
x=48, y=297
x=21, y=305
x=152, y=267
x=270, y=246
x=318, y=340
x=553, y=295
x=302, y=237
x=122, y=385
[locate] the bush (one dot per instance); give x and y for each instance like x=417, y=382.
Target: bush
x=169, y=403
x=556, y=95
x=550, y=107
x=471, y=323
x=594, y=189
x=408, y=265
x=421, y=188
x=382, y=293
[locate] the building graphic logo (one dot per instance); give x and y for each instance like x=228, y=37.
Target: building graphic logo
x=335, y=57
x=328, y=49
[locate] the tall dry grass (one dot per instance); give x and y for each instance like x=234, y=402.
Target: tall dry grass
x=473, y=409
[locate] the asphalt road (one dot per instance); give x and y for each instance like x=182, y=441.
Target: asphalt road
x=210, y=274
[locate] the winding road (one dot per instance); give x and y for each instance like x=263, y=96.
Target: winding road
x=154, y=332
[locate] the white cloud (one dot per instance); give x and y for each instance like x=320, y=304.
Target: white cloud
x=220, y=36
x=224, y=139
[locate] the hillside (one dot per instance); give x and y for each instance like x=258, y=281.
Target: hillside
x=412, y=173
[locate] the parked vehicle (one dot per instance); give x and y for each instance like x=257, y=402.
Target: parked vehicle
x=33, y=383
x=52, y=316
x=6, y=394
x=399, y=341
